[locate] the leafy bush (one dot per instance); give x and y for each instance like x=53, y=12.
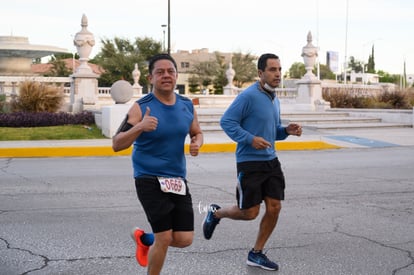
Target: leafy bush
x=26, y=119
x=37, y=97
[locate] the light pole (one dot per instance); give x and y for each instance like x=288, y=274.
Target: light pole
x=163, y=40
x=169, y=29
x=318, y=65
x=73, y=62
x=73, y=56
x=346, y=43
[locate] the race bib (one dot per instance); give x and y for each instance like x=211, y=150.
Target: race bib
x=172, y=185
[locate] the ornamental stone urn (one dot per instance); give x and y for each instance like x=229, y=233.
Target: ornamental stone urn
x=309, y=54
x=84, y=41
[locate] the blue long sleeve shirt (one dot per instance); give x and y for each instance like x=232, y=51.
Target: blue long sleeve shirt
x=253, y=113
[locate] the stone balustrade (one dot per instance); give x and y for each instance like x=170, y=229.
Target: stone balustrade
x=10, y=85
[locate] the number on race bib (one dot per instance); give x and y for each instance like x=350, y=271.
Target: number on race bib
x=172, y=185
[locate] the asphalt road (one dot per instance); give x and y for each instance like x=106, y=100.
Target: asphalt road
x=347, y=211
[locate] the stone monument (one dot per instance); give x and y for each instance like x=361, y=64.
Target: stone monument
x=84, y=88
x=230, y=89
x=309, y=96
x=135, y=76
x=309, y=54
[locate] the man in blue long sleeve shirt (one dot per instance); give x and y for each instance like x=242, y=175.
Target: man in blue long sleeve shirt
x=253, y=121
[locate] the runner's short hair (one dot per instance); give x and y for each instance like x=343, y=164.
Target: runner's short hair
x=157, y=57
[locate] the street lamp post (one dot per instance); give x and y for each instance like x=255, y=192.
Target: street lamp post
x=73, y=57
x=346, y=43
x=73, y=62
x=163, y=40
x=169, y=29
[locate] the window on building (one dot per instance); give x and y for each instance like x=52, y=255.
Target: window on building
x=185, y=65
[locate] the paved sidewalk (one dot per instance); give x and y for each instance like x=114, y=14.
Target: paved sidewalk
x=217, y=142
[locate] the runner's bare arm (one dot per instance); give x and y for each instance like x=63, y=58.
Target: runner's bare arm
x=196, y=135
x=129, y=129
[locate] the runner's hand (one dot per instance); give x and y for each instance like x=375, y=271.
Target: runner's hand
x=260, y=143
x=149, y=123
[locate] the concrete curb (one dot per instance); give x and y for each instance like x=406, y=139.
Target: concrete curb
x=91, y=151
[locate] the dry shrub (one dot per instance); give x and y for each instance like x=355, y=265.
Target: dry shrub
x=395, y=100
x=342, y=99
x=410, y=97
x=38, y=97
x=384, y=100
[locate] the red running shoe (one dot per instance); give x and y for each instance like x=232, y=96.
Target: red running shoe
x=141, y=253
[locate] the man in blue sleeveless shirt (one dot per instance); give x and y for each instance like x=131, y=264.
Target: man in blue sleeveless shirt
x=157, y=126
x=253, y=121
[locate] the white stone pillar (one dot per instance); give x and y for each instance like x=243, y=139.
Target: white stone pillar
x=84, y=88
x=230, y=89
x=135, y=76
x=309, y=96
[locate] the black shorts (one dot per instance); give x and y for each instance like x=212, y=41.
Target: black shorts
x=257, y=180
x=164, y=211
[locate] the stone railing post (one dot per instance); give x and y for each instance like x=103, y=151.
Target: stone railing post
x=309, y=96
x=230, y=89
x=84, y=89
x=135, y=76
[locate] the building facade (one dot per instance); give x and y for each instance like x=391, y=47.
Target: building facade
x=186, y=61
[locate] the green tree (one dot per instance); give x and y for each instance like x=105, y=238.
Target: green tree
x=245, y=67
x=385, y=77
x=193, y=84
x=220, y=79
x=371, y=62
x=65, y=56
x=355, y=65
x=203, y=73
x=325, y=72
x=59, y=68
x=214, y=71
x=119, y=56
x=297, y=70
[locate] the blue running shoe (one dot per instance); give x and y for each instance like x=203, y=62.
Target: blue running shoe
x=210, y=221
x=260, y=260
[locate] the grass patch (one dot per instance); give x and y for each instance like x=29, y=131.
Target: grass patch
x=51, y=133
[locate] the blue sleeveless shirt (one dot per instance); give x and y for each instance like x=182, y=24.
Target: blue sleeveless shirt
x=161, y=152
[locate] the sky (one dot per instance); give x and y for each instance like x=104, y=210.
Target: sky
x=349, y=27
